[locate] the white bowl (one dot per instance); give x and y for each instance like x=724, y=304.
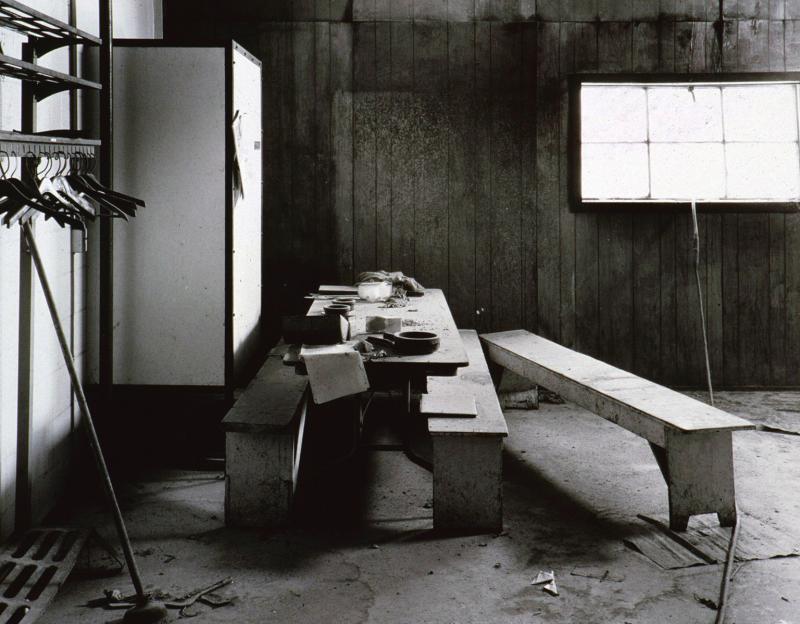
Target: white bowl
x=375, y=291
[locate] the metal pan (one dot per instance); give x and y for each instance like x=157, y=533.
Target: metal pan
x=409, y=342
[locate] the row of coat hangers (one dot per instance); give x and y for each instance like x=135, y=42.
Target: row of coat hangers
x=65, y=190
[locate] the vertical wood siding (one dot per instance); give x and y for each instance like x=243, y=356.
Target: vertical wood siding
x=431, y=138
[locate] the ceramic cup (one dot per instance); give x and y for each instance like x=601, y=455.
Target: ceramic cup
x=337, y=308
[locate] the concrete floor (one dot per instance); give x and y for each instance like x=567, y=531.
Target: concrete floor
x=364, y=550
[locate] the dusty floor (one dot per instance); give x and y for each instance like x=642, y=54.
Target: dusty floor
x=365, y=552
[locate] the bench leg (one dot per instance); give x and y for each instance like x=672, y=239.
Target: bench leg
x=258, y=479
x=468, y=483
x=261, y=471
x=698, y=468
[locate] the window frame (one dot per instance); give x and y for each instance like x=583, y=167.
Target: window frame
x=578, y=204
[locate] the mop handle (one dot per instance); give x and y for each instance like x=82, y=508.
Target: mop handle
x=94, y=442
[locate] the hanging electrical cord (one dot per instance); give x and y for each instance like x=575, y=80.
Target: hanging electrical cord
x=727, y=575
x=724, y=587
x=696, y=237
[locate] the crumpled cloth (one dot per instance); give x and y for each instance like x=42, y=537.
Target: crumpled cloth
x=395, y=277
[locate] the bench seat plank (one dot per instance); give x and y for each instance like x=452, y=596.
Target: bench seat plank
x=271, y=400
x=472, y=380
x=641, y=406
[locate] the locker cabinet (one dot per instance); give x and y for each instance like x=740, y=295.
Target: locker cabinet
x=187, y=270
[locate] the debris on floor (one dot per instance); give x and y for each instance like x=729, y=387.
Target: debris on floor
x=114, y=599
x=599, y=574
x=192, y=597
x=215, y=600
x=98, y=559
x=705, y=542
x=548, y=396
x=523, y=399
x=706, y=602
x=548, y=582
x=551, y=588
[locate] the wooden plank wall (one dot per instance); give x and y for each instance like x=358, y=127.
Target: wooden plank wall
x=430, y=137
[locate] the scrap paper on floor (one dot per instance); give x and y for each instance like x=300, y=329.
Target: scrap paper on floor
x=334, y=371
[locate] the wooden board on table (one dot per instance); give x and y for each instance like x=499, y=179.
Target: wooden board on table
x=636, y=404
x=334, y=371
x=333, y=289
x=449, y=401
x=427, y=313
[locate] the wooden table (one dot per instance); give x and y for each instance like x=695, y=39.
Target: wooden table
x=429, y=312
x=409, y=373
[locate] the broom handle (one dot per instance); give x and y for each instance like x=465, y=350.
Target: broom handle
x=94, y=442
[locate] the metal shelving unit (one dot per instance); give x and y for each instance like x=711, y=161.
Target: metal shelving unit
x=39, y=83
x=46, y=81
x=20, y=143
x=47, y=32
x=44, y=34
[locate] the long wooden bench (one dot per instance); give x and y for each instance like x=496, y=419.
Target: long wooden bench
x=691, y=441
x=467, y=449
x=263, y=443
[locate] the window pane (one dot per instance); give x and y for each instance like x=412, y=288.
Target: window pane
x=684, y=115
x=614, y=171
x=762, y=171
x=613, y=114
x=760, y=113
x=688, y=171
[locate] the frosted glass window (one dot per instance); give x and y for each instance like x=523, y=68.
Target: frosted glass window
x=762, y=170
x=615, y=116
x=688, y=170
x=760, y=113
x=681, y=114
x=710, y=141
x=615, y=168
